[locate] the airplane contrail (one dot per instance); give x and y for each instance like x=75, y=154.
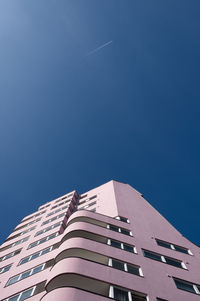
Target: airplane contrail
x=99, y=48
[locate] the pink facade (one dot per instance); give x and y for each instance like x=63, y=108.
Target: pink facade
x=108, y=243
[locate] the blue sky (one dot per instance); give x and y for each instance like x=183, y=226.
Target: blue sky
x=72, y=119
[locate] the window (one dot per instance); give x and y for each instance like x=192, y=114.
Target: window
x=48, y=229
x=44, y=206
x=26, y=225
x=14, y=244
x=173, y=247
x=10, y=255
x=5, y=269
x=165, y=259
x=20, y=234
x=65, y=197
x=22, y=296
x=119, y=265
x=56, y=211
x=88, y=205
x=151, y=255
x=83, y=196
x=36, y=243
x=28, y=273
x=122, y=219
x=35, y=215
x=60, y=204
x=125, y=295
x=116, y=264
x=119, y=245
x=53, y=219
x=121, y=294
x=187, y=286
x=120, y=230
x=35, y=255
x=87, y=200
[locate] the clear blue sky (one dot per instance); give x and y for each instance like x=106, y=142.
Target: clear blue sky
x=71, y=118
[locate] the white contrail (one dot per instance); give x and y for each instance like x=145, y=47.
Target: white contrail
x=99, y=48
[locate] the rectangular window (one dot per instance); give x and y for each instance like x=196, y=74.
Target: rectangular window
x=67, y=201
x=172, y=246
x=28, y=273
x=53, y=219
x=14, y=244
x=48, y=228
x=89, y=205
x=165, y=259
x=151, y=255
x=65, y=197
x=35, y=255
x=20, y=234
x=120, y=230
x=122, y=219
x=119, y=245
x=164, y=244
x=173, y=262
x=57, y=210
x=36, y=243
x=113, y=228
x=186, y=286
x=133, y=269
x=5, y=269
x=116, y=264
x=121, y=295
x=10, y=255
x=27, y=293
x=126, y=267
x=26, y=225
x=128, y=248
x=115, y=244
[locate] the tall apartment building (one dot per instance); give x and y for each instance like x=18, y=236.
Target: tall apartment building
x=108, y=243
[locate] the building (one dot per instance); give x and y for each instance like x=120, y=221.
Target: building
x=108, y=243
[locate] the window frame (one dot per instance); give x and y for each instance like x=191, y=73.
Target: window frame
x=163, y=259
x=173, y=246
x=30, y=256
x=125, y=266
x=30, y=271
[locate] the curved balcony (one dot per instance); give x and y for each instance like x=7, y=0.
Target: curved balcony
x=90, y=276
x=91, y=250
x=94, y=232
x=69, y=293
x=96, y=218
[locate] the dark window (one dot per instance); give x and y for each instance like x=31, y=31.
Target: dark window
x=113, y=228
x=117, y=264
x=115, y=244
x=124, y=231
x=180, y=249
x=133, y=270
x=123, y=219
x=138, y=298
x=173, y=262
x=152, y=255
x=93, y=197
x=163, y=244
x=186, y=286
x=128, y=248
x=120, y=294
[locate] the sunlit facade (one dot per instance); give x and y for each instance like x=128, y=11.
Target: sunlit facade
x=107, y=243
